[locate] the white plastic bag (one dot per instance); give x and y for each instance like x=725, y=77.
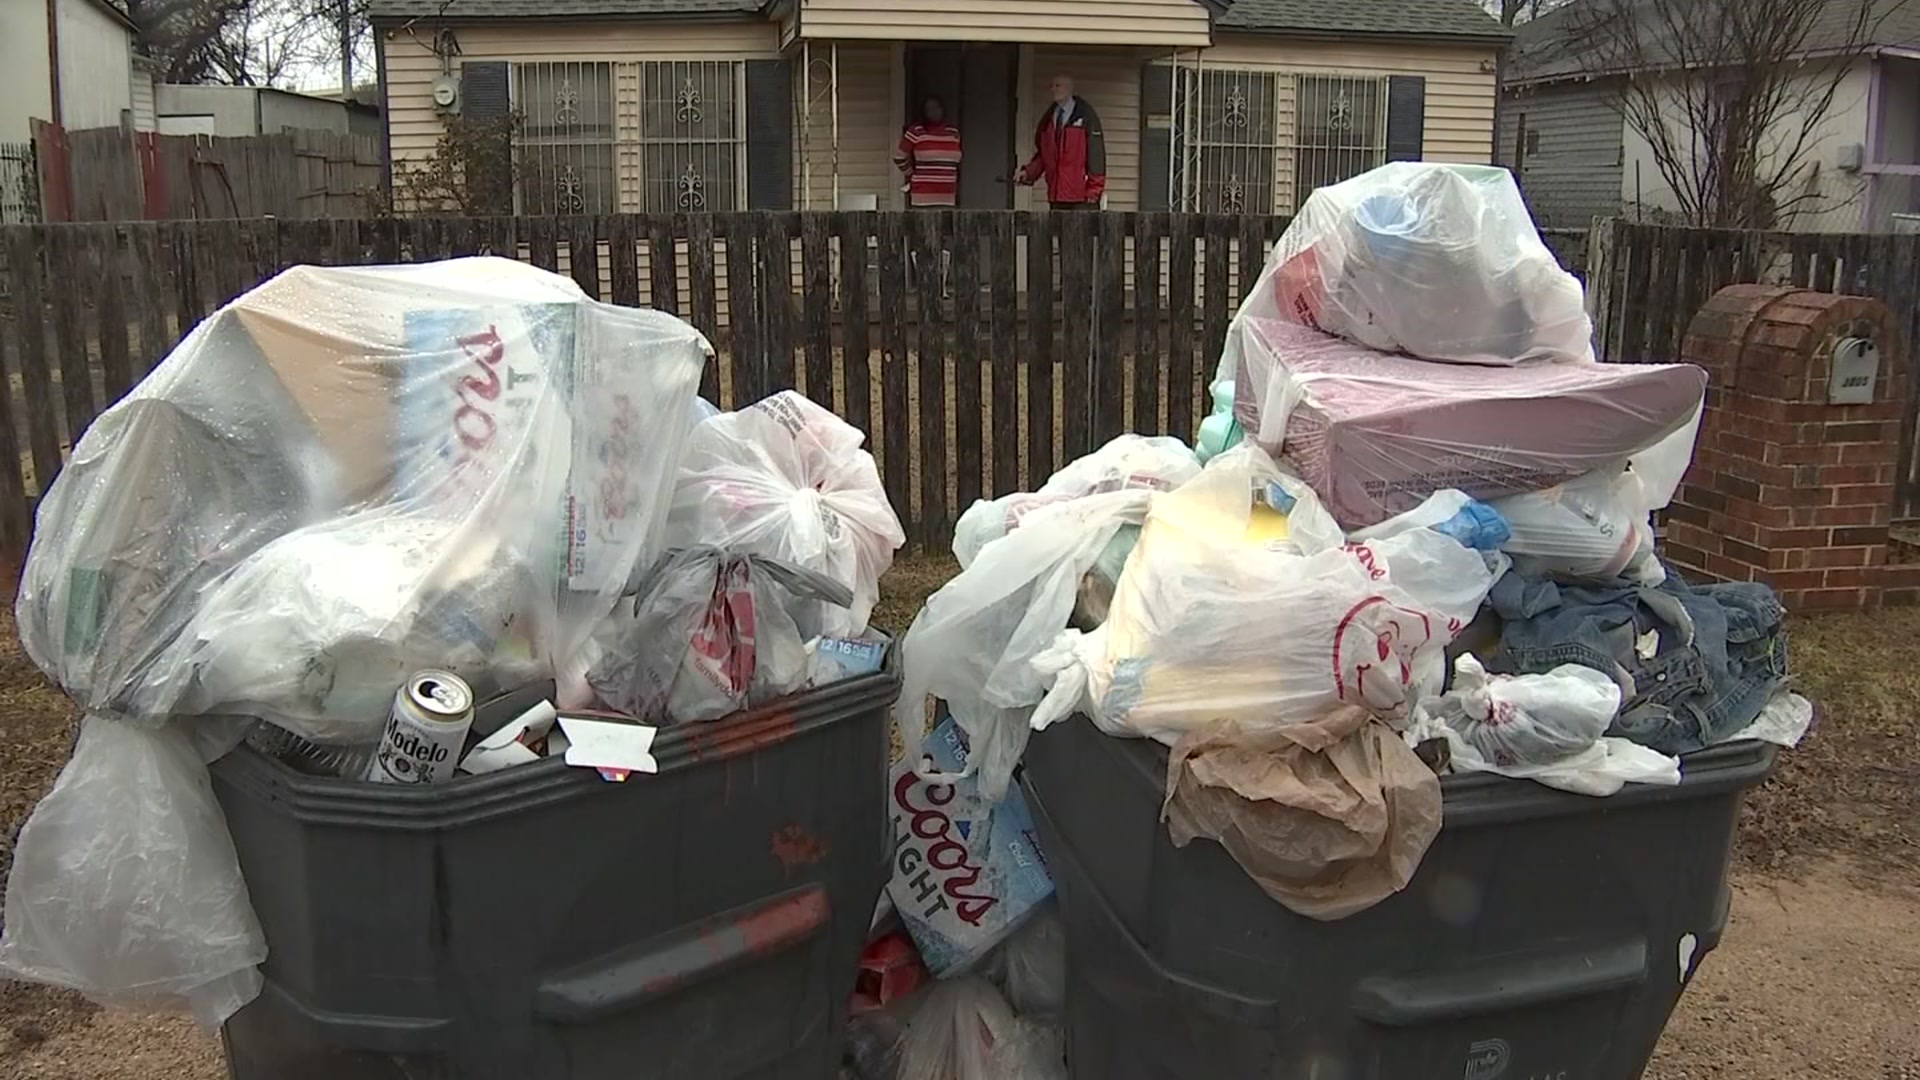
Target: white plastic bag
x=1437, y=261
x=1548, y=728
x=125, y=885
x=1595, y=526
x=1784, y=722
x=1209, y=624
x=1149, y=463
x=787, y=479
x=974, y=642
x=962, y=1029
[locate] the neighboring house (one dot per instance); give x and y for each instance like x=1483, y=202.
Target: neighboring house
x=257, y=110
x=68, y=61
x=1576, y=157
x=682, y=105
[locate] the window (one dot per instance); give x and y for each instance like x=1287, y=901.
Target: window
x=1258, y=142
x=672, y=138
x=692, y=136
x=564, y=149
x=1341, y=131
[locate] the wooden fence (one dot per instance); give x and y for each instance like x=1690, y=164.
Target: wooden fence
x=1647, y=281
x=106, y=174
x=1033, y=347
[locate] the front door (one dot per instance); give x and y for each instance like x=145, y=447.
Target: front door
x=976, y=84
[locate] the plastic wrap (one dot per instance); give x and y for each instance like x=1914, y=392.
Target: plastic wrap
x=786, y=478
x=710, y=633
x=1211, y=621
x=1376, y=433
x=125, y=886
x=341, y=475
x=1128, y=462
x=1436, y=261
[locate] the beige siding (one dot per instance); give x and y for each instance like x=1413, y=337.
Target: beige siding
x=1110, y=81
x=1094, y=22
x=412, y=67
x=1460, y=82
x=867, y=129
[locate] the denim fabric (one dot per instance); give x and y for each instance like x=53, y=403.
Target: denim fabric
x=1717, y=654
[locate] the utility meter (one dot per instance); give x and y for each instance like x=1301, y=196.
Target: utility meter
x=446, y=94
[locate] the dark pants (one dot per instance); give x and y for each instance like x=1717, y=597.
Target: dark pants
x=1075, y=205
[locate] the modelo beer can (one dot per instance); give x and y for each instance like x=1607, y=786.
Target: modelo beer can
x=426, y=730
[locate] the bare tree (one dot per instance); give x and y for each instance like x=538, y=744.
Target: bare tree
x=1730, y=96
x=251, y=42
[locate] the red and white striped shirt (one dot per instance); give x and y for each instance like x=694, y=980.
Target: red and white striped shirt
x=929, y=157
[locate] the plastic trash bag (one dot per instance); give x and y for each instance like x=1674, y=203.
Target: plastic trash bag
x=962, y=1029
x=1436, y=261
x=787, y=479
x=461, y=461
x=125, y=886
x=1031, y=966
x=711, y=632
x=1548, y=728
x=1127, y=462
x=1329, y=816
x=1784, y=722
x=1596, y=526
x=974, y=642
x=1213, y=621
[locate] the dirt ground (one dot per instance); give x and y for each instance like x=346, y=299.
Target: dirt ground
x=1818, y=977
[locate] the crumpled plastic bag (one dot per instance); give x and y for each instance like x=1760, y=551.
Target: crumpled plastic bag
x=711, y=632
x=787, y=479
x=125, y=885
x=1784, y=722
x=974, y=642
x=1329, y=816
x=1216, y=619
x=1438, y=261
x=1549, y=728
x=1127, y=462
x=962, y=1029
x=1596, y=526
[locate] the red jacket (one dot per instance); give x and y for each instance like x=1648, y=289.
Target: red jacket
x=1073, y=159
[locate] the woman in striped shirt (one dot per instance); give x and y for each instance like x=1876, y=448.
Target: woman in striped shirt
x=929, y=157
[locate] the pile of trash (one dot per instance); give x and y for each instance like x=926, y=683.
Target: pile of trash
x=393, y=524
x=1415, y=540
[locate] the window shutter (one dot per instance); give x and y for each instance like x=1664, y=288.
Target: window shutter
x=483, y=90
x=1406, y=117
x=769, y=135
x=1156, y=135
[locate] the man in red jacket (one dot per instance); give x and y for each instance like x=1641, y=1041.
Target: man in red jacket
x=1069, y=151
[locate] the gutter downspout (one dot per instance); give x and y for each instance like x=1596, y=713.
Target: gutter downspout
x=1875, y=71
x=53, y=61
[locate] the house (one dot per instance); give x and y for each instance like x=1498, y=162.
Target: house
x=1577, y=157
x=68, y=61
x=257, y=110
x=687, y=105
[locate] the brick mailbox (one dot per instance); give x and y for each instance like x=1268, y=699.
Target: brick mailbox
x=1792, y=482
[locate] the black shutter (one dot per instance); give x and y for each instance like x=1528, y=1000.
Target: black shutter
x=483, y=90
x=769, y=135
x=1156, y=135
x=1406, y=117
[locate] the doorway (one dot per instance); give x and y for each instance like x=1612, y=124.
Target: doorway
x=976, y=84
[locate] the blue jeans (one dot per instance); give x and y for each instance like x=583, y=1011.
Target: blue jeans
x=1695, y=664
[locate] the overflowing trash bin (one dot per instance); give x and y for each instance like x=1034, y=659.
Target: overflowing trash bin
x=1370, y=737
x=463, y=697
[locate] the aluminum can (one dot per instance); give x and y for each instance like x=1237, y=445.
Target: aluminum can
x=425, y=732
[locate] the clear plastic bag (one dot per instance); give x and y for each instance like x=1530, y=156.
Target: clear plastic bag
x=1595, y=526
x=340, y=475
x=787, y=479
x=962, y=1029
x=1031, y=966
x=1438, y=261
x=711, y=632
x=125, y=886
x=1127, y=462
x=974, y=643
x=1548, y=728
x=1209, y=622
